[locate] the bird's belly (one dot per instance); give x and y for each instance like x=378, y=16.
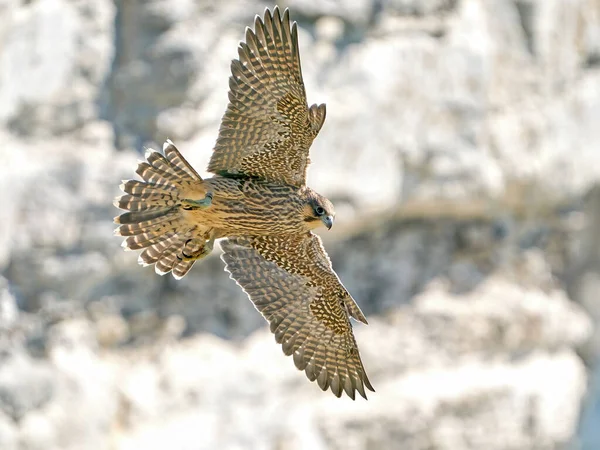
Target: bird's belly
x=257, y=210
x=247, y=219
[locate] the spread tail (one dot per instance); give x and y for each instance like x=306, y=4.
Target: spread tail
x=155, y=219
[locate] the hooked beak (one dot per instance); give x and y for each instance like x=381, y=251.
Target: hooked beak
x=328, y=221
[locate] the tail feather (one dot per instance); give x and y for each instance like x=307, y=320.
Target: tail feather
x=154, y=219
x=168, y=259
x=140, y=216
x=153, y=230
x=136, y=187
x=154, y=252
x=173, y=259
x=156, y=159
x=156, y=226
x=155, y=175
x=177, y=160
x=181, y=268
x=145, y=202
x=146, y=239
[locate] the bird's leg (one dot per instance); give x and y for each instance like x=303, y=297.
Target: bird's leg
x=189, y=204
x=196, y=249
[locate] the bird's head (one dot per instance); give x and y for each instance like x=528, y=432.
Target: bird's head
x=318, y=211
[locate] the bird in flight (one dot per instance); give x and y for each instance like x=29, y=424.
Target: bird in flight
x=259, y=205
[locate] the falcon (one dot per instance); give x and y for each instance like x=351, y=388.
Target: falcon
x=259, y=205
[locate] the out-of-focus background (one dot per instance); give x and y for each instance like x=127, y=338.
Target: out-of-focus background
x=462, y=152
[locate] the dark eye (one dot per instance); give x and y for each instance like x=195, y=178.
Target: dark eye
x=319, y=210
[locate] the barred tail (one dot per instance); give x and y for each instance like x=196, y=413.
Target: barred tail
x=155, y=220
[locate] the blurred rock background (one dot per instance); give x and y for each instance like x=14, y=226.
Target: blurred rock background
x=462, y=151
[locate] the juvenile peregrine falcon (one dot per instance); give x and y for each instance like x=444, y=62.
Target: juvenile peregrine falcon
x=258, y=200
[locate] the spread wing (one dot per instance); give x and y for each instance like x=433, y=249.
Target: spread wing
x=291, y=282
x=268, y=128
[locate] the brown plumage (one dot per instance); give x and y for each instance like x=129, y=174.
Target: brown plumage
x=260, y=203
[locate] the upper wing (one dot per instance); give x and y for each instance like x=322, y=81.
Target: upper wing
x=291, y=282
x=267, y=129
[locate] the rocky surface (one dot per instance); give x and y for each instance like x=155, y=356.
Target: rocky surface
x=461, y=151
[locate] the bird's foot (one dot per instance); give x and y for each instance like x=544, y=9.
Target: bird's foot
x=196, y=249
x=189, y=204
